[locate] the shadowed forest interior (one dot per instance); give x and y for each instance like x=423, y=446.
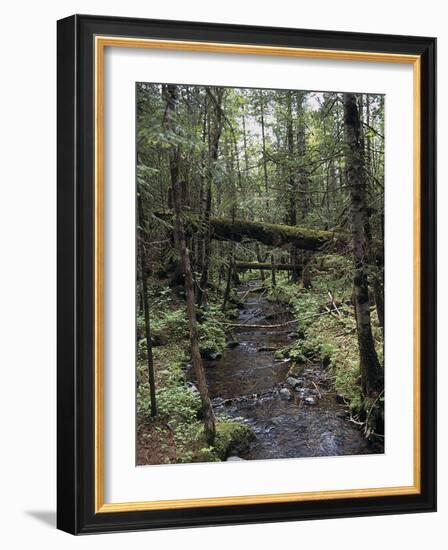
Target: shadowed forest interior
x=260, y=301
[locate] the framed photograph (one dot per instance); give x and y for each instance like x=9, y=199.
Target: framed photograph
x=246, y=274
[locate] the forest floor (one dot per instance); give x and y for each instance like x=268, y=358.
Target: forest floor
x=286, y=391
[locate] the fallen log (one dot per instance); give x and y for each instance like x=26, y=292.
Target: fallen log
x=270, y=234
x=262, y=266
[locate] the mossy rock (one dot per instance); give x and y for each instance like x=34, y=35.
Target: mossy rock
x=232, y=436
x=296, y=370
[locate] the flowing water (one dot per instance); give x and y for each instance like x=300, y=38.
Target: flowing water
x=248, y=384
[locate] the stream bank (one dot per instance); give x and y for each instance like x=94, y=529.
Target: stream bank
x=291, y=417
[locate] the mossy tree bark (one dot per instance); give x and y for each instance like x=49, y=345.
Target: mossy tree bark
x=371, y=374
x=170, y=94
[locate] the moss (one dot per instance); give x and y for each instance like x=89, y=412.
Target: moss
x=231, y=436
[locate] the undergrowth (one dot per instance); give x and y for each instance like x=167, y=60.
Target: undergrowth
x=330, y=337
x=176, y=434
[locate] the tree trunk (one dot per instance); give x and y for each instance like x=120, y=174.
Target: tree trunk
x=371, y=375
x=304, y=202
x=196, y=359
x=306, y=273
x=200, y=235
x=228, y=281
x=296, y=271
x=260, y=260
x=144, y=291
x=215, y=134
x=302, y=186
x=263, y=142
x=273, y=280
x=246, y=158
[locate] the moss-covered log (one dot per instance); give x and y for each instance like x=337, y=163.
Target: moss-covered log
x=270, y=234
x=262, y=266
x=275, y=235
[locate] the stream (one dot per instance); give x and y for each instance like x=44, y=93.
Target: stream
x=248, y=384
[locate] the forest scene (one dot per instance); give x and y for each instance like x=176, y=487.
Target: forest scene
x=260, y=274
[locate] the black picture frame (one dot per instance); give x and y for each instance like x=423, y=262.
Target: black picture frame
x=76, y=264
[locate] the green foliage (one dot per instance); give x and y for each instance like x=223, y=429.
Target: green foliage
x=171, y=392
x=173, y=323
x=178, y=404
x=212, y=336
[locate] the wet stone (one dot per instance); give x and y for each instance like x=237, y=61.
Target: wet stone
x=293, y=382
x=310, y=400
x=285, y=394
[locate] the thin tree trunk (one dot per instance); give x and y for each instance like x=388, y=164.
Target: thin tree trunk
x=144, y=289
x=213, y=157
x=306, y=273
x=296, y=272
x=263, y=138
x=304, y=202
x=246, y=158
x=273, y=280
x=200, y=235
x=371, y=375
x=228, y=281
x=260, y=260
x=196, y=359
